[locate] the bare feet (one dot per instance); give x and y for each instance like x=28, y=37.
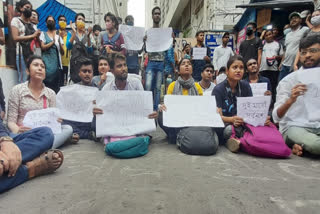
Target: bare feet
x=297, y=150
x=233, y=145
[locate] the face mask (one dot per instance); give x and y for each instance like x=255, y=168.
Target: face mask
x=109, y=25
x=62, y=25
x=315, y=21
x=130, y=23
x=249, y=31
x=80, y=25
x=27, y=13
x=51, y=25
x=286, y=31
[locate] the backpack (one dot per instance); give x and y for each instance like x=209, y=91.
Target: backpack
x=129, y=148
x=26, y=45
x=78, y=50
x=110, y=42
x=197, y=141
x=263, y=141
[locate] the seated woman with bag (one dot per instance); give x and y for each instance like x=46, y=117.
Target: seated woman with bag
x=263, y=141
x=33, y=95
x=185, y=85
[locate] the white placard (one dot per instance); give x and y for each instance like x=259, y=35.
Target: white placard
x=75, y=102
x=199, y=53
x=125, y=113
x=185, y=111
x=311, y=78
x=258, y=89
x=44, y=117
x=133, y=37
x=159, y=39
x=253, y=110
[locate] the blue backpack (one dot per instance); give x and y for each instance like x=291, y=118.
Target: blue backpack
x=131, y=148
x=111, y=42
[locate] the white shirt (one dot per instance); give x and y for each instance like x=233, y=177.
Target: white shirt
x=132, y=84
x=297, y=114
x=270, y=50
x=208, y=91
x=57, y=37
x=221, y=56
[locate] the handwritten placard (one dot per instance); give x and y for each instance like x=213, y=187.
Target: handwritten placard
x=133, y=37
x=258, y=89
x=311, y=78
x=125, y=113
x=43, y=118
x=159, y=39
x=186, y=111
x=253, y=110
x=75, y=102
x=199, y=53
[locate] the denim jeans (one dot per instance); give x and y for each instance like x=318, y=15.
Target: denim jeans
x=154, y=75
x=285, y=70
x=31, y=144
x=61, y=138
x=22, y=74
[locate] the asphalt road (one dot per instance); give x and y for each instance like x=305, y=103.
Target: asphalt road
x=167, y=181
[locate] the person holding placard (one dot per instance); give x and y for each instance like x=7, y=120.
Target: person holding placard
x=199, y=63
x=255, y=77
x=155, y=66
x=226, y=94
x=33, y=95
x=83, y=130
x=299, y=127
x=185, y=85
x=131, y=146
x=206, y=79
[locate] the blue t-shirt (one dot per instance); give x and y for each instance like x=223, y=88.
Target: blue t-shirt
x=226, y=100
x=262, y=79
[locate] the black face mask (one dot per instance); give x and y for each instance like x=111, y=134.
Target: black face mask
x=51, y=25
x=249, y=32
x=27, y=13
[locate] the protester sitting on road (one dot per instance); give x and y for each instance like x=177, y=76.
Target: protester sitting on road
x=19, y=27
x=226, y=94
x=206, y=79
x=198, y=64
x=112, y=41
x=255, y=77
x=52, y=49
x=33, y=95
x=299, y=132
x=185, y=85
x=81, y=129
x=103, y=68
x=221, y=75
x=26, y=156
x=121, y=82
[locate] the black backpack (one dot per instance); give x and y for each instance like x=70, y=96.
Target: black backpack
x=26, y=45
x=78, y=50
x=197, y=141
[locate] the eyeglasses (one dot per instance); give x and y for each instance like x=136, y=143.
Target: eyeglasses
x=311, y=50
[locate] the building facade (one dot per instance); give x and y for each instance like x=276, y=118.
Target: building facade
x=189, y=16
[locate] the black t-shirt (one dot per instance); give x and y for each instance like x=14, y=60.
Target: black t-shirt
x=226, y=100
x=249, y=49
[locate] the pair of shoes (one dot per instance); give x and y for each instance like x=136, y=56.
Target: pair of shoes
x=233, y=145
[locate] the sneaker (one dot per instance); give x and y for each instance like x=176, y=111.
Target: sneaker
x=233, y=145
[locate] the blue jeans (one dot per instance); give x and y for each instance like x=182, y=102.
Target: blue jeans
x=285, y=70
x=22, y=74
x=60, y=139
x=154, y=75
x=31, y=144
